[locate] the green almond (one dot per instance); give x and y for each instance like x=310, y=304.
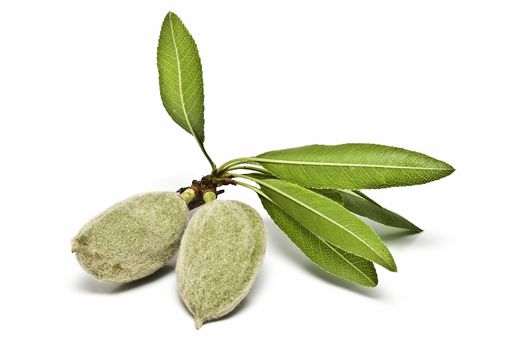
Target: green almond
x=220, y=255
x=133, y=238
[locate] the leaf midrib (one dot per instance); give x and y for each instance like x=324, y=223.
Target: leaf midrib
x=296, y=162
x=323, y=216
x=180, y=87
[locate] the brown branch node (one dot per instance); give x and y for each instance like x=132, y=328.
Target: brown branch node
x=206, y=184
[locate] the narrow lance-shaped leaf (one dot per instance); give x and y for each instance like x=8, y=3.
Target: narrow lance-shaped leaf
x=358, y=203
x=181, y=82
x=326, y=256
x=326, y=219
x=352, y=166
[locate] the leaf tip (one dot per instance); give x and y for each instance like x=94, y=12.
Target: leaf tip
x=391, y=266
x=373, y=283
x=447, y=167
x=415, y=229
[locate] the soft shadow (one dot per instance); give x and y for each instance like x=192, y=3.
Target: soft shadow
x=89, y=285
x=399, y=236
x=280, y=243
x=374, y=293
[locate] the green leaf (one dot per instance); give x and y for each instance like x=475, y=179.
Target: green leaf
x=352, y=166
x=326, y=256
x=360, y=204
x=181, y=82
x=326, y=219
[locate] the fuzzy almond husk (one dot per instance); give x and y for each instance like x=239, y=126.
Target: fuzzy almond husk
x=133, y=238
x=220, y=255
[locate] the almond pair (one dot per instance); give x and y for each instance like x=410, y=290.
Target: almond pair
x=220, y=253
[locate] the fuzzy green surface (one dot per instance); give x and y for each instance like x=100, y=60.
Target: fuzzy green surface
x=133, y=238
x=220, y=254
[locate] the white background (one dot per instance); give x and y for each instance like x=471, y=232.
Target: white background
x=82, y=126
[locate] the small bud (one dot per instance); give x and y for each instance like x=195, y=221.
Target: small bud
x=209, y=196
x=188, y=195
